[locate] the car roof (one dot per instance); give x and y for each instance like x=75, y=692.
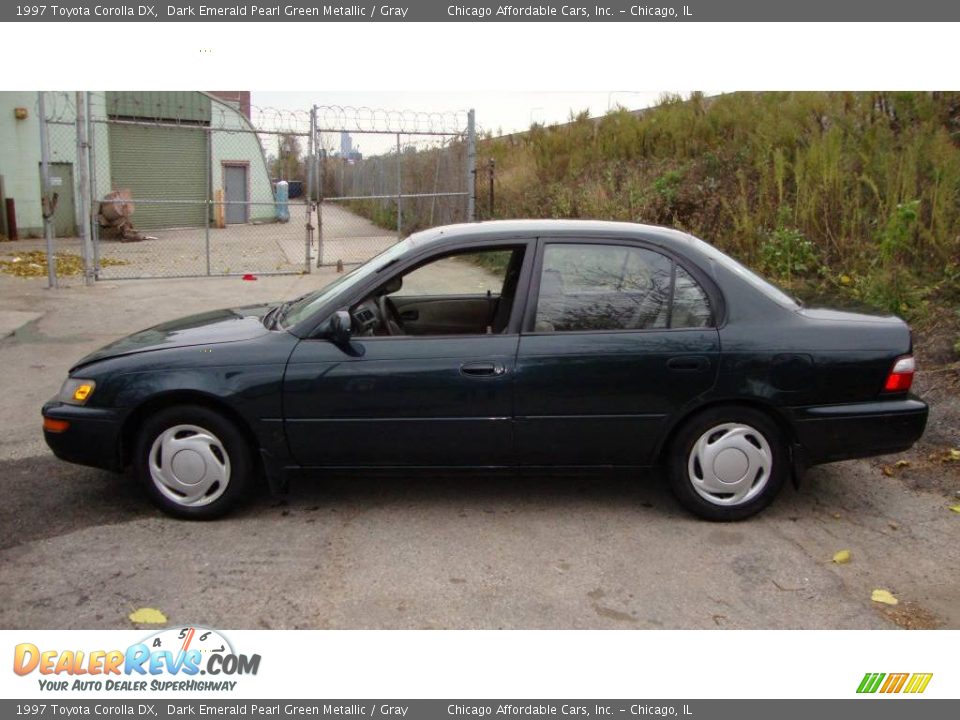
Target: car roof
x=505, y=229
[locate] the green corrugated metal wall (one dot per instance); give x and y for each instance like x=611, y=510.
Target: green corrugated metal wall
x=159, y=105
x=157, y=163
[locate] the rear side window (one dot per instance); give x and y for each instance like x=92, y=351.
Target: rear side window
x=616, y=287
x=691, y=306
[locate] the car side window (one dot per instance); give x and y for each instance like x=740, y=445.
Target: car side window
x=691, y=306
x=462, y=274
x=464, y=293
x=615, y=287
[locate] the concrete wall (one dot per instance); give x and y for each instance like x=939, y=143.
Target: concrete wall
x=20, y=150
x=19, y=158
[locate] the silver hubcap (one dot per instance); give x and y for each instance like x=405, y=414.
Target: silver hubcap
x=189, y=465
x=730, y=464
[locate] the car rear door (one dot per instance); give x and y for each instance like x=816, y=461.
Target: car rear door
x=617, y=338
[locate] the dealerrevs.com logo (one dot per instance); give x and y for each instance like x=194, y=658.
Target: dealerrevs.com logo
x=889, y=683
x=172, y=659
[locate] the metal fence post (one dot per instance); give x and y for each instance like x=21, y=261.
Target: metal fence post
x=320, y=172
x=471, y=165
x=493, y=164
x=94, y=193
x=48, y=204
x=399, y=198
x=436, y=186
x=83, y=147
x=208, y=206
x=311, y=151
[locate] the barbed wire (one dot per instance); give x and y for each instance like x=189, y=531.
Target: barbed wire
x=168, y=108
x=279, y=120
x=381, y=120
x=60, y=106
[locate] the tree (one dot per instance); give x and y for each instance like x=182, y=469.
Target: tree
x=288, y=164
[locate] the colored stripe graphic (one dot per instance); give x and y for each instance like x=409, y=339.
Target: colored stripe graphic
x=870, y=682
x=894, y=682
x=918, y=683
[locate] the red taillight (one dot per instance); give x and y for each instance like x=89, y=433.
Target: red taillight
x=901, y=375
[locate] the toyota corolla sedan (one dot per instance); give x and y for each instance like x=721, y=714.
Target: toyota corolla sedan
x=512, y=345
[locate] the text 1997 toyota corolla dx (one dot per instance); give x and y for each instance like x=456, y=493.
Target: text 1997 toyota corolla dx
x=515, y=345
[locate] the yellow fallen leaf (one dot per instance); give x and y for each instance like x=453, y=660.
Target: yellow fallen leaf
x=902, y=463
x=841, y=557
x=148, y=616
x=954, y=454
x=955, y=508
x=884, y=596
x=887, y=470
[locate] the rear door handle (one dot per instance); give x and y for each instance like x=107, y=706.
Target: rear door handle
x=688, y=363
x=482, y=369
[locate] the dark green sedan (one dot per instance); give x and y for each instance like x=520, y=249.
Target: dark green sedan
x=508, y=345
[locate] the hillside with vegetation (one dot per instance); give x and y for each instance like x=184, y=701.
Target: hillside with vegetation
x=849, y=197
x=854, y=194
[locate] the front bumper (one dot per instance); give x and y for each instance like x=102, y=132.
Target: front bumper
x=93, y=437
x=827, y=433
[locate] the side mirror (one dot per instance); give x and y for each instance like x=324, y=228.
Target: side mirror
x=340, y=327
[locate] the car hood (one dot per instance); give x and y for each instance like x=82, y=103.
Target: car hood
x=218, y=326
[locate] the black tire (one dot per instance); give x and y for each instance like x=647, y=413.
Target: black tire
x=765, y=472
x=220, y=451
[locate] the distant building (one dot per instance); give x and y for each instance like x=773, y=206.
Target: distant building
x=346, y=144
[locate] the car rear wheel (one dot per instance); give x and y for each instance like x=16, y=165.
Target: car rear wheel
x=728, y=463
x=194, y=462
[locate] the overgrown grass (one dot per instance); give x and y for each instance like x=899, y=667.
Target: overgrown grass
x=808, y=187
x=855, y=193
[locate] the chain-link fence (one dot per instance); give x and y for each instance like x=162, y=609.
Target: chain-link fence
x=187, y=184
x=58, y=213
x=383, y=175
x=181, y=184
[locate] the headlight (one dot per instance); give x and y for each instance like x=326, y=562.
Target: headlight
x=76, y=391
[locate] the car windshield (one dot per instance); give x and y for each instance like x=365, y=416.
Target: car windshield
x=764, y=286
x=305, y=306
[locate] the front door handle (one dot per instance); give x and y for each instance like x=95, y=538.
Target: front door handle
x=482, y=369
x=688, y=363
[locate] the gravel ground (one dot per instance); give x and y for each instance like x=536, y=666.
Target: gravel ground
x=81, y=548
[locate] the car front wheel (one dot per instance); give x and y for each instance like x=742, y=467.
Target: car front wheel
x=728, y=463
x=194, y=462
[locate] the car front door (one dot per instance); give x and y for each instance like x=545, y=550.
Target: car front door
x=441, y=397
x=617, y=338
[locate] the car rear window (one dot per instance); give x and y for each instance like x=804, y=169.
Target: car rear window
x=746, y=274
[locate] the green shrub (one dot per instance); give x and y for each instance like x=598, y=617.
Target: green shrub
x=787, y=253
